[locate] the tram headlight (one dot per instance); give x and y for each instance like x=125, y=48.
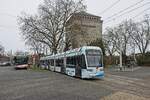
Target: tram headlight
x=97, y=68
x=101, y=69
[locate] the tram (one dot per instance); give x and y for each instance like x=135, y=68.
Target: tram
x=83, y=62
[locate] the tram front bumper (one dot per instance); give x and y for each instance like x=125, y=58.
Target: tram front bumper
x=92, y=74
x=97, y=75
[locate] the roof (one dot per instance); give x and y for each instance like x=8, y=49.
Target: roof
x=86, y=14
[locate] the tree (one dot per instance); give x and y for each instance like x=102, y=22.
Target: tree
x=21, y=53
x=119, y=37
x=98, y=42
x=108, y=40
x=48, y=26
x=36, y=46
x=141, y=35
x=131, y=35
x=2, y=50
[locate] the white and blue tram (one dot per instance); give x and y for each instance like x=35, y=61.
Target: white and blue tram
x=84, y=62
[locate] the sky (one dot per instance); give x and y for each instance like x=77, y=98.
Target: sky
x=10, y=36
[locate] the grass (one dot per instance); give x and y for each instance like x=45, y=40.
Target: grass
x=123, y=96
x=39, y=69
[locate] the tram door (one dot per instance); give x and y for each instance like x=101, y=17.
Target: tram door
x=77, y=66
x=63, y=67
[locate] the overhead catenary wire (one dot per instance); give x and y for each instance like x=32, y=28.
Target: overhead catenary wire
x=106, y=21
x=111, y=6
x=135, y=9
x=9, y=15
x=141, y=13
x=6, y=14
x=121, y=11
x=1, y=26
x=6, y=27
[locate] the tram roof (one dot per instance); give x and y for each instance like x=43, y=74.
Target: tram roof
x=74, y=52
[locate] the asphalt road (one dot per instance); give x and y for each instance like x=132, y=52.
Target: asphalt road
x=47, y=85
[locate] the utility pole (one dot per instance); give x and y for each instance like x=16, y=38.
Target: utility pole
x=11, y=57
x=121, y=55
x=134, y=54
x=121, y=43
x=133, y=64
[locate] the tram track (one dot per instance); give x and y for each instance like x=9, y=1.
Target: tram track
x=129, y=85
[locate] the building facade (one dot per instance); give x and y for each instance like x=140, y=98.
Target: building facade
x=83, y=28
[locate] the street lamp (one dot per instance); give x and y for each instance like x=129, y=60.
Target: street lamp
x=121, y=54
x=121, y=42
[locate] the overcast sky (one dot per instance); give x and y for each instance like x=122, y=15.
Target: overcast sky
x=10, y=9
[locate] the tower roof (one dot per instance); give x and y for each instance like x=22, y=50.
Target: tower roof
x=85, y=14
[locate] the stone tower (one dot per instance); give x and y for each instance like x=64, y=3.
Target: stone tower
x=83, y=28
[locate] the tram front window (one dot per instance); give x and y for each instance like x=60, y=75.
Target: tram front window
x=93, y=58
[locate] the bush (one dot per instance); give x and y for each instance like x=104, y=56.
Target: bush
x=144, y=60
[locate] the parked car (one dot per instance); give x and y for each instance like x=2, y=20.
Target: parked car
x=6, y=63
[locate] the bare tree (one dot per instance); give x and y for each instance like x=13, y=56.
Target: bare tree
x=116, y=36
x=119, y=37
x=2, y=50
x=34, y=45
x=108, y=40
x=131, y=35
x=141, y=35
x=48, y=26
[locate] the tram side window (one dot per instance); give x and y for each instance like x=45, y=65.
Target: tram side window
x=51, y=62
x=71, y=62
x=76, y=60
x=59, y=62
x=46, y=62
x=68, y=62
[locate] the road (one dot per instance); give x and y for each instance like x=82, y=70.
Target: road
x=47, y=85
